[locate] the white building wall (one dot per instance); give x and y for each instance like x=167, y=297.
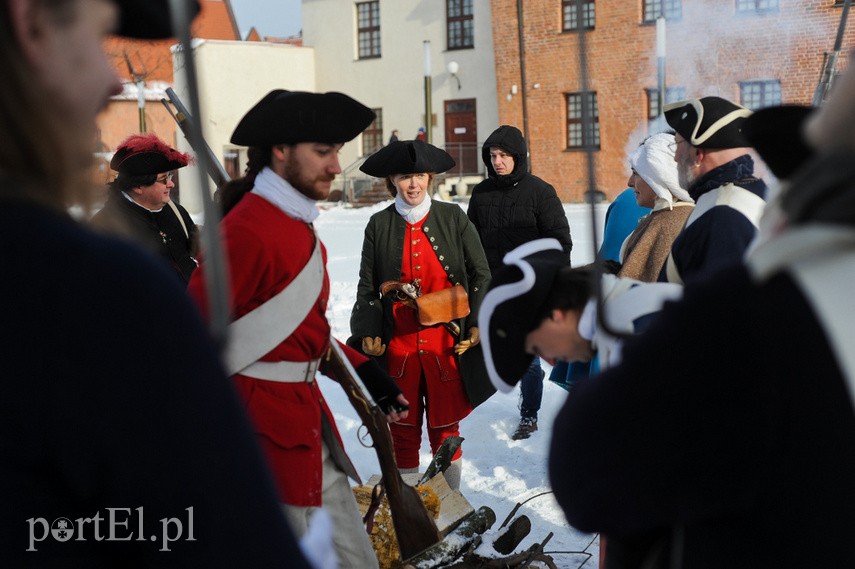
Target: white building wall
x=394, y=82
x=232, y=77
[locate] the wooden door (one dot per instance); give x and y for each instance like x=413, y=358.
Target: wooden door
x=461, y=136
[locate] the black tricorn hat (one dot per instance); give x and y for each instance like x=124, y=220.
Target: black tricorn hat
x=709, y=122
x=512, y=307
x=291, y=117
x=147, y=19
x=407, y=157
x=776, y=135
x=141, y=154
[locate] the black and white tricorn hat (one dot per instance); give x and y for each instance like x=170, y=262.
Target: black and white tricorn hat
x=512, y=308
x=709, y=122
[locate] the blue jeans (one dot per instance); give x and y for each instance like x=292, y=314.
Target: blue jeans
x=531, y=389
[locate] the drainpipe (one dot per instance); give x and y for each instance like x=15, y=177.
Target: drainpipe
x=522, y=79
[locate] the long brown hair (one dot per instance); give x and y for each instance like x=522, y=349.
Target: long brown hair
x=231, y=193
x=36, y=149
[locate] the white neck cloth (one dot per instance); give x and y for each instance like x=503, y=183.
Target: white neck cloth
x=283, y=195
x=412, y=213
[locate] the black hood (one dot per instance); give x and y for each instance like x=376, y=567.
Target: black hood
x=509, y=139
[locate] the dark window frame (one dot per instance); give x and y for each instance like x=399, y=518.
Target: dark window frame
x=372, y=137
x=756, y=10
x=368, y=36
x=576, y=138
x=650, y=10
x=672, y=95
x=770, y=93
x=459, y=27
x=568, y=11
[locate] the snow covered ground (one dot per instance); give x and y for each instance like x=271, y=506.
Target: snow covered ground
x=497, y=472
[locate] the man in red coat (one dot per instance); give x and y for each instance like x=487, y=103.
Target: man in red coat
x=294, y=139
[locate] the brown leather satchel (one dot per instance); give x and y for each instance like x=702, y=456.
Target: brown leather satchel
x=443, y=306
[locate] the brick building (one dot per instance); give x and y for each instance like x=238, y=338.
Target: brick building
x=755, y=52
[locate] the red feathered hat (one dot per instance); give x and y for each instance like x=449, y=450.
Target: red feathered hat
x=141, y=154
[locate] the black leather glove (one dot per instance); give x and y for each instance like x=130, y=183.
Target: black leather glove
x=381, y=387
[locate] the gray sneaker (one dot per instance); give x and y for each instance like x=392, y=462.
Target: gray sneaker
x=524, y=430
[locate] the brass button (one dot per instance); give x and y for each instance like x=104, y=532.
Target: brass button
x=426, y=229
x=422, y=352
x=415, y=254
x=441, y=258
x=418, y=267
x=415, y=241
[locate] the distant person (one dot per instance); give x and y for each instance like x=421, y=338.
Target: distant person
x=421, y=135
x=394, y=137
x=140, y=201
x=714, y=166
x=655, y=181
x=273, y=252
x=509, y=208
x=432, y=246
x=123, y=442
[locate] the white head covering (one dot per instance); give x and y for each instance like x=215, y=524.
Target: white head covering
x=654, y=162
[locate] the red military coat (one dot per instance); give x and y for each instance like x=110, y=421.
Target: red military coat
x=265, y=250
x=415, y=350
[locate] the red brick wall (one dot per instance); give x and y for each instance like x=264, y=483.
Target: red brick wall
x=709, y=51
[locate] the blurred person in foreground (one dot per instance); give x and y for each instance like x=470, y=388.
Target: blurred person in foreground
x=139, y=202
x=511, y=207
x=655, y=181
x=713, y=164
x=279, y=296
x=739, y=450
x=432, y=246
x=123, y=443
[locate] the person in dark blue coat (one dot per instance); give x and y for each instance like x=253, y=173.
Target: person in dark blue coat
x=123, y=444
x=714, y=165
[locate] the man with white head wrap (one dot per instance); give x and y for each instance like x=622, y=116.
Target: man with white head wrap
x=654, y=178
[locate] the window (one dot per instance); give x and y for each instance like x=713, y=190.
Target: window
x=368, y=29
x=461, y=33
x=372, y=137
x=569, y=15
x=576, y=138
x=673, y=10
x=672, y=95
x=758, y=94
x=756, y=6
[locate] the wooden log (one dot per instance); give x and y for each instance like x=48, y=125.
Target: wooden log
x=452, y=545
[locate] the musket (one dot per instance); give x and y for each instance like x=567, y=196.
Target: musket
x=185, y=122
x=829, y=61
x=414, y=526
x=216, y=283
